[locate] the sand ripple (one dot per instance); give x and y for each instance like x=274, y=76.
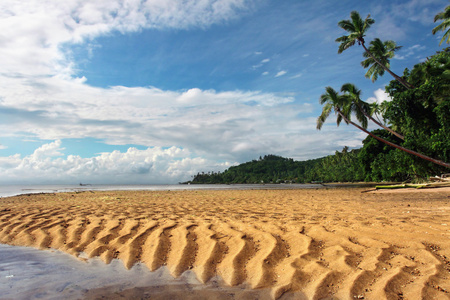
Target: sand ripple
x=336, y=244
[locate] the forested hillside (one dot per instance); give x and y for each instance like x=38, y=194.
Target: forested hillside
x=341, y=167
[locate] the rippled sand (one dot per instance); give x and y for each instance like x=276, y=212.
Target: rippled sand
x=335, y=243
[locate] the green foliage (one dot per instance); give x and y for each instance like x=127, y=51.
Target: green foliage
x=356, y=28
x=383, y=52
x=382, y=162
x=422, y=113
x=341, y=167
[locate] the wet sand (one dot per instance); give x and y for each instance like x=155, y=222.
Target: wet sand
x=326, y=243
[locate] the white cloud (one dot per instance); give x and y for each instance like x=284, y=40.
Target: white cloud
x=34, y=31
x=48, y=150
x=264, y=61
x=265, y=73
x=203, y=120
x=281, y=73
x=380, y=96
x=153, y=165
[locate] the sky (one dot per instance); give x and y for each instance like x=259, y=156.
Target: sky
x=155, y=91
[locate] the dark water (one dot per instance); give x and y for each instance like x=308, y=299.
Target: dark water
x=28, y=273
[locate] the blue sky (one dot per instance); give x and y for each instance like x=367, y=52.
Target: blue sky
x=155, y=91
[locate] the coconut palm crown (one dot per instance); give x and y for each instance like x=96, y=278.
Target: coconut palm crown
x=445, y=17
x=331, y=101
x=342, y=105
x=383, y=51
x=356, y=27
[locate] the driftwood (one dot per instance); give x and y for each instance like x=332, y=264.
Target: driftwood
x=417, y=186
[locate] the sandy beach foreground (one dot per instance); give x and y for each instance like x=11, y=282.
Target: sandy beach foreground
x=321, y=244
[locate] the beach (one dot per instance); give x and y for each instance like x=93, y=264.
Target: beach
x=337, y=243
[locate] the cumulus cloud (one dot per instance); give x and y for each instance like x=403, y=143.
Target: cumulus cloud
x=379, y=96
x=211, y=121
x=152, y=165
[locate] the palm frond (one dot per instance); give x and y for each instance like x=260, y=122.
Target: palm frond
x=439, y=16
x=338, y=120
x=324, y=115
x=445, y=38
x=445, y=16
x=347, y=25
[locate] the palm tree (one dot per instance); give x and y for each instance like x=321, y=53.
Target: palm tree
x=332, y=101
x=357, y=29
x=354, y=94
x=383, y=51
x=445, y=16
x=342, y=107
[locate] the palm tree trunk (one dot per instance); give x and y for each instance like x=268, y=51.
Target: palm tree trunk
x=398, y=78
x=438, y=162
x=379, y=124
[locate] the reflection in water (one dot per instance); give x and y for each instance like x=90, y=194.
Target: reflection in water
x=27, y=273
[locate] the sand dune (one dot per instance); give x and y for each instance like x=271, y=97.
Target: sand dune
x=323, y=244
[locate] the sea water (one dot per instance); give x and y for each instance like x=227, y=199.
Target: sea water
x=12, y=190
x=28, y=273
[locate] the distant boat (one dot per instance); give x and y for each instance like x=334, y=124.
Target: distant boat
x=84, y=184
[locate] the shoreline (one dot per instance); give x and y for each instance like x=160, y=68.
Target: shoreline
x=15, y=190
x=325, y=242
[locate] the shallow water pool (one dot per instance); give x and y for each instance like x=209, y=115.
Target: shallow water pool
x=28, y=273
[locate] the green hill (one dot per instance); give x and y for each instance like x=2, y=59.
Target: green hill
x=341, y=167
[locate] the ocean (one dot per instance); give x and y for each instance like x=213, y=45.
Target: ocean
x=13, y=190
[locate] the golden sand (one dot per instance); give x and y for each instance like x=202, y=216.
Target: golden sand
x=326, y=243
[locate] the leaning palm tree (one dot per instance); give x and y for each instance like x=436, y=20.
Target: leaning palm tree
x=342, y=107
x=354, y=94
x=445, y=17
x=357, y=28
x=383, y=51
x=332, y=101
